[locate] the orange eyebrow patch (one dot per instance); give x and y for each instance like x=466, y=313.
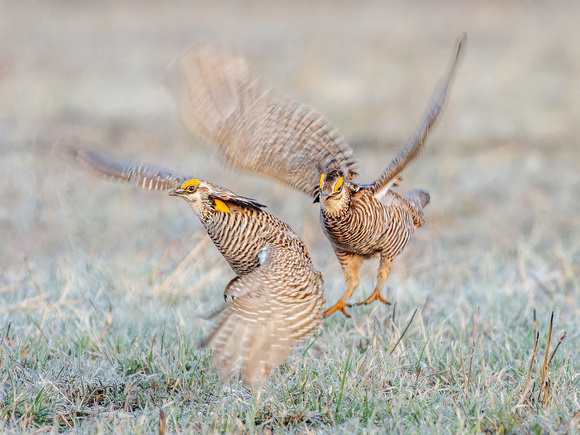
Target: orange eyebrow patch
x=337, y=184
x=221, y=206
x=192, y=182
x=321, y=180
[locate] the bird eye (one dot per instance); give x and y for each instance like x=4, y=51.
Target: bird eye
x=192, y=188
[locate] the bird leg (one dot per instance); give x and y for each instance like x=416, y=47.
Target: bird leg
x=350, y=266
x=384, y=270
x=339, y=306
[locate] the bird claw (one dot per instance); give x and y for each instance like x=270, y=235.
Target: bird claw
x=376, y=295
x=339, y=306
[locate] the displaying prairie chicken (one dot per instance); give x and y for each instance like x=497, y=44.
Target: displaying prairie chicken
x=275, y=301
x=260, y=130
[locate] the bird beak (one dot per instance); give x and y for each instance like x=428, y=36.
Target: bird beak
x=176, y=192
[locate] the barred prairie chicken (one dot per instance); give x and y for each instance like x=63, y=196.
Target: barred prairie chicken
x=260, y=130
x=275, y=301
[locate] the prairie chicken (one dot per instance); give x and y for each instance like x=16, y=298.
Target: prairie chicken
x=258, y=129
x=275, y=301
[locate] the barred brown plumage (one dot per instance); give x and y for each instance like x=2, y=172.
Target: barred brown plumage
x=360, y=225
x=254, y=127
x=257, y=129
x=275, y=301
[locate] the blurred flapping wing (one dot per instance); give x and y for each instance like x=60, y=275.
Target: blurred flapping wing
x=254, y=127
x=415, y=144
x=142, y=175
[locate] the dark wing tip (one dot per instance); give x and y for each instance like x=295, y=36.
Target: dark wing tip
x=462, y=42
x=415, y=143
x=244, y=202
x=95, y=161
x=141, y=175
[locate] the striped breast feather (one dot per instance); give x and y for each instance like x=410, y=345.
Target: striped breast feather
x=254, y=127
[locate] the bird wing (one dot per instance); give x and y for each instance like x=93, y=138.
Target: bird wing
x=272, y=309
x=415, y=144
x=142, y=175
x=254, y=127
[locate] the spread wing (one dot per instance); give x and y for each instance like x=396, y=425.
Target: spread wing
x=274, y=307
x=415, y=144
x=142, y=175
x=254, y=127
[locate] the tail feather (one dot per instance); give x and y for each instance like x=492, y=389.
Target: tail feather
x=419, y=199
x=272, y=311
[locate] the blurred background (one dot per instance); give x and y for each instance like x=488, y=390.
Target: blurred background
x=502, y=166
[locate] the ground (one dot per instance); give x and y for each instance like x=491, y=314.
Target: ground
x=104, y=289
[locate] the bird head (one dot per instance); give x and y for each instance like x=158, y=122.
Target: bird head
x=202, y=196
x=334, y=191
x=206, y=198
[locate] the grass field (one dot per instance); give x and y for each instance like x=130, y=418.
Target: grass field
x=104, y=289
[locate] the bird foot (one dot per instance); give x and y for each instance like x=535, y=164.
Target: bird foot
x=376, y=295
x=339, y=306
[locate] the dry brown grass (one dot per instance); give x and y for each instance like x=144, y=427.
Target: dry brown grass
x=103, y=288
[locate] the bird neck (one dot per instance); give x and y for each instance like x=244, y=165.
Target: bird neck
x=337, y=207
x=202, y=210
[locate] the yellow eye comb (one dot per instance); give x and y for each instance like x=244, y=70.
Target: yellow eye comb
x=321, y=180
x=192, y=182
x=337, y=184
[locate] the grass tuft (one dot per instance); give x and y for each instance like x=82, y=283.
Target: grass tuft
x=105, y=290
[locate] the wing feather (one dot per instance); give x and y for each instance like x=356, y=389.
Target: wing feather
x=254, y=127
x=415, y=144
x=273, y=309
x=142, y=175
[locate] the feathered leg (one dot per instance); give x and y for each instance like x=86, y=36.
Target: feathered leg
x=350, y=266
x=384, y=270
